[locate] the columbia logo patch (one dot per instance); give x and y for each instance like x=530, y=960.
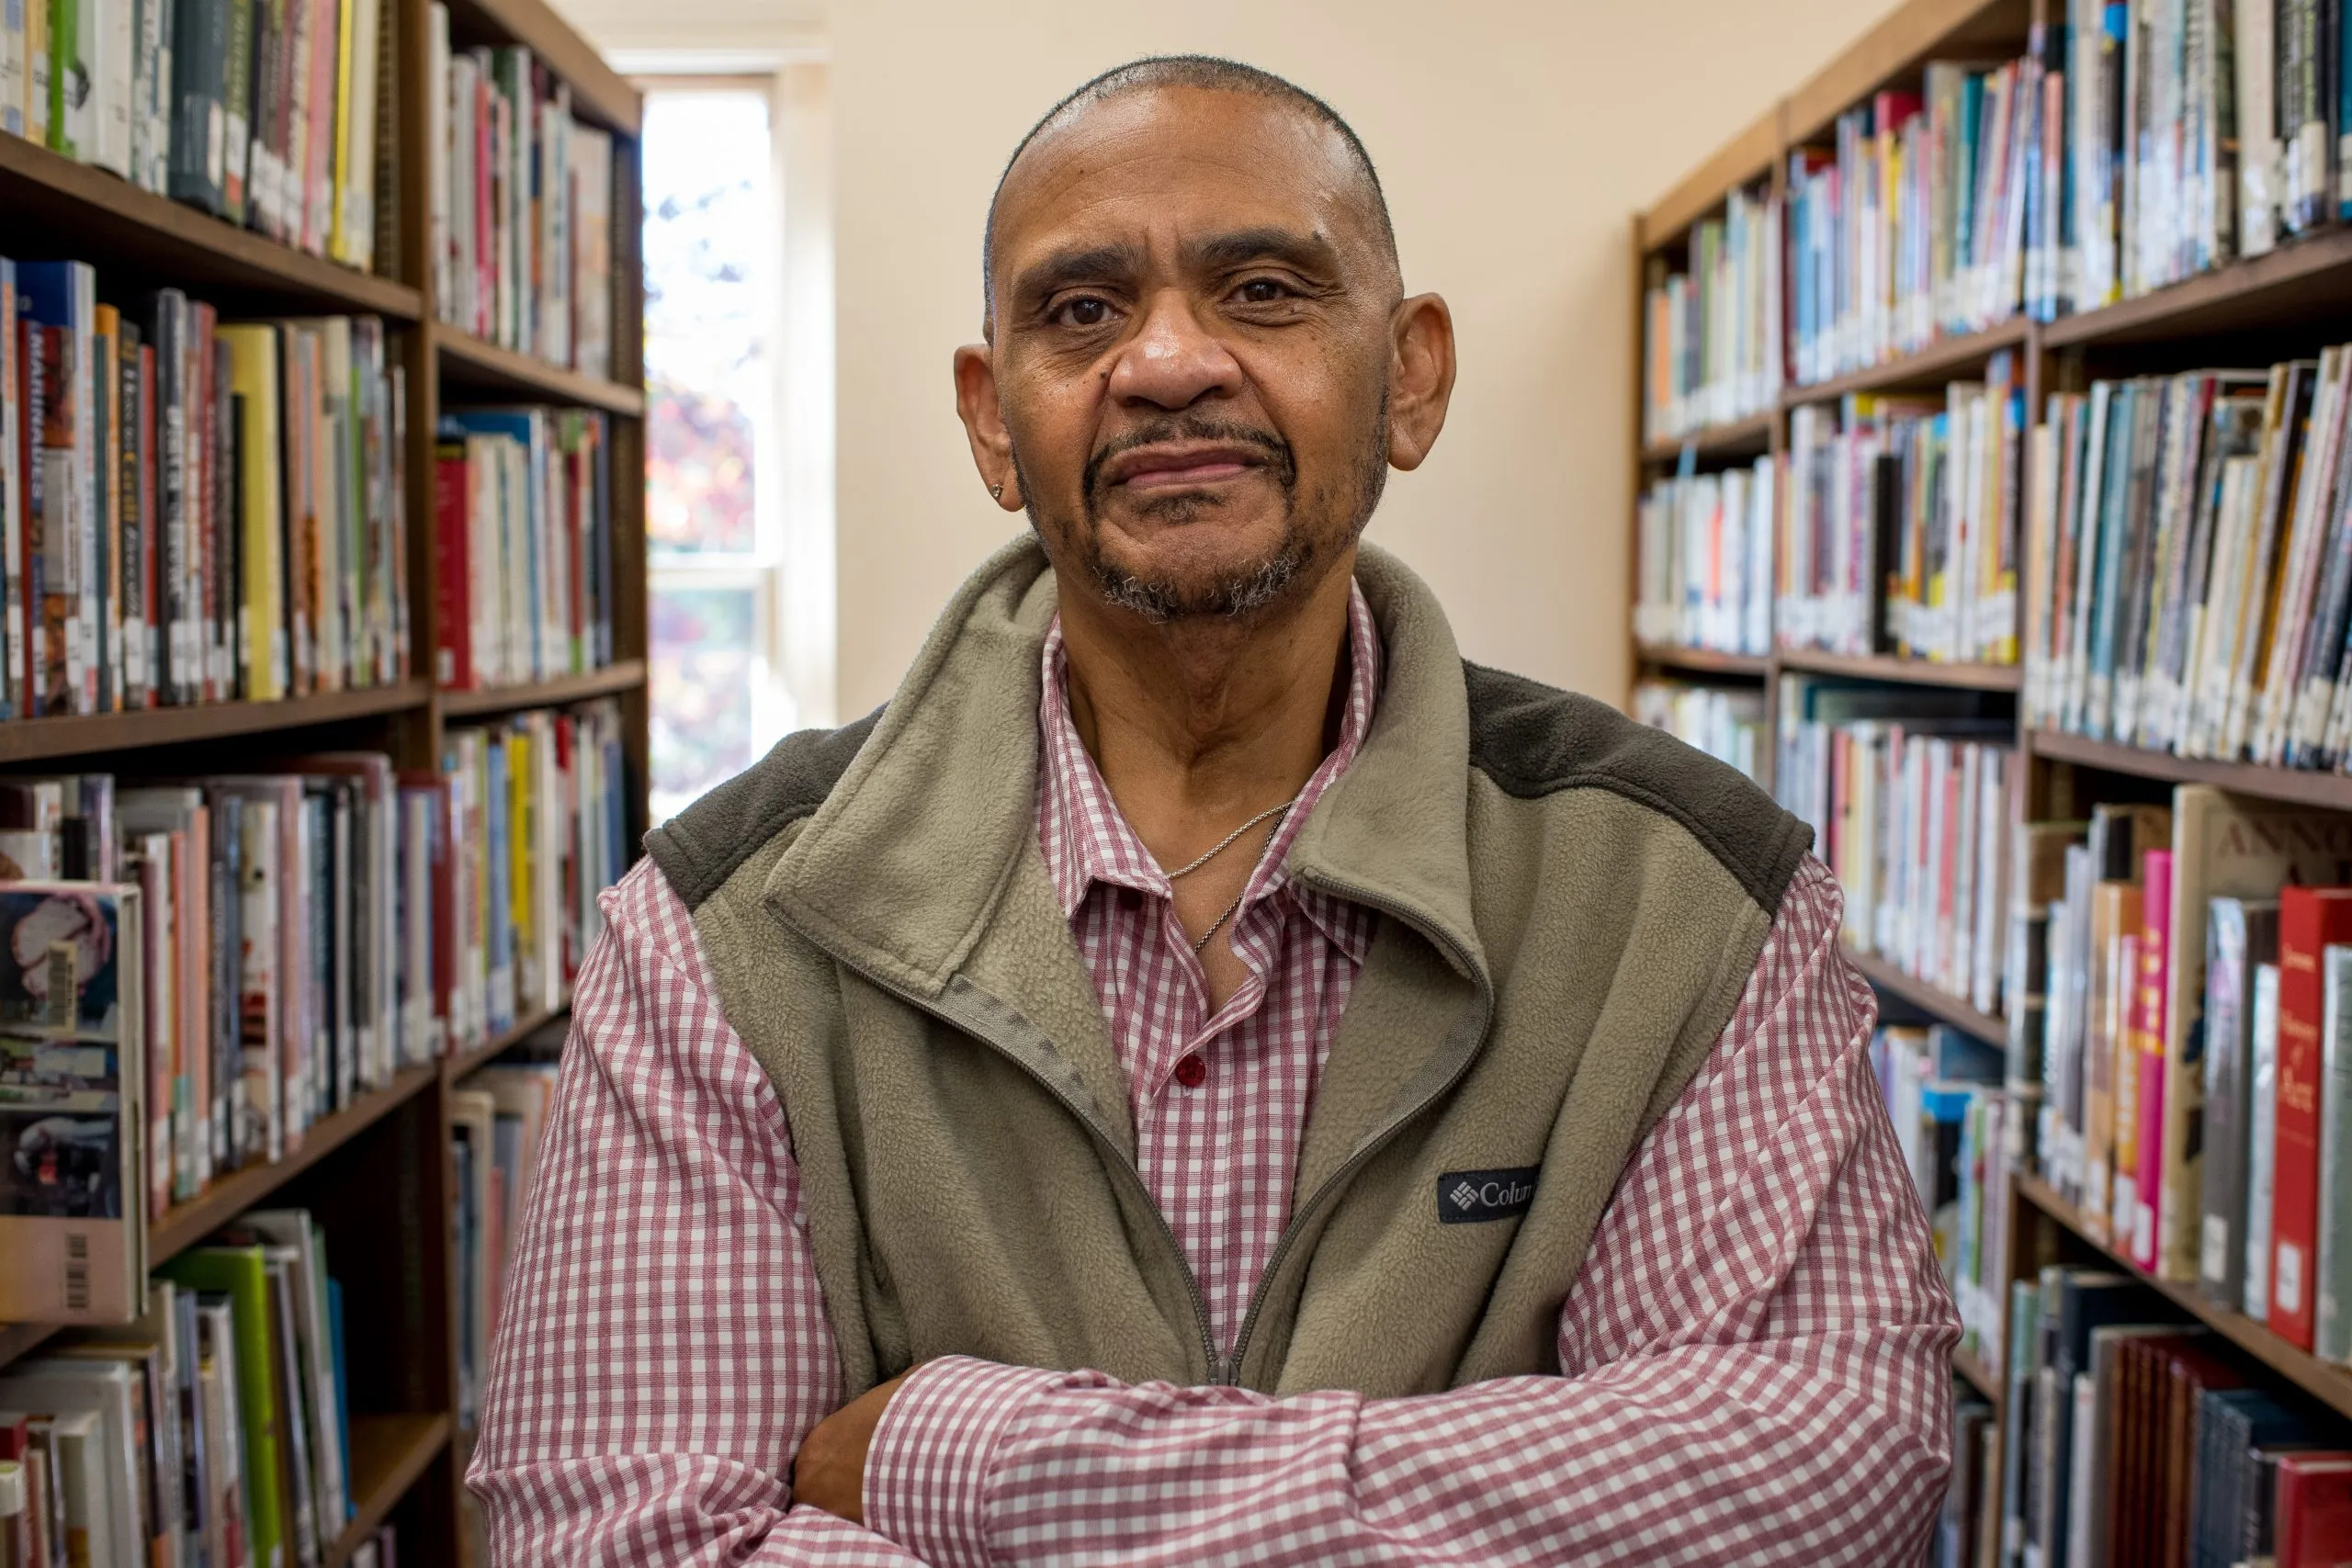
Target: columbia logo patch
x=1469, y=1197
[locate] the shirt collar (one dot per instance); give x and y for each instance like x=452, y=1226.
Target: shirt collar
x=1085, y=838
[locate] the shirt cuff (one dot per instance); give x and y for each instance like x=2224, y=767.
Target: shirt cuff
x=926, y=1470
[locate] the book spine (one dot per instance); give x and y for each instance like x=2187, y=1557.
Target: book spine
x=2261, y=1136
x=2155, y=956
x=2307, y=922
x=2332, y=1270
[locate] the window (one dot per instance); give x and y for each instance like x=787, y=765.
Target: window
x=735, y=585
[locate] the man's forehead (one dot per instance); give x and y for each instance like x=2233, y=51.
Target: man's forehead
x=1114, y=161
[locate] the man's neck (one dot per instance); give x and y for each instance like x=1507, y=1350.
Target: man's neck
x=1199, y=724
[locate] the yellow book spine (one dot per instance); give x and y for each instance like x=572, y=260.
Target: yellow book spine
x=341, y=241
x=253, y=378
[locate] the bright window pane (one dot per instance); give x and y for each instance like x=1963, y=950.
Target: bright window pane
x=710, y=299
x=706, y=663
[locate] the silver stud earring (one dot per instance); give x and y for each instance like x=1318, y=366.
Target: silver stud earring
x=996, y=492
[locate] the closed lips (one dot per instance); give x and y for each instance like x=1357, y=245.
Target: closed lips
x=1149, y=467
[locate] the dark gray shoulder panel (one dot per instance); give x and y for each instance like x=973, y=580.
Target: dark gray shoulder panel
x=1532, y=740
x=702, y=846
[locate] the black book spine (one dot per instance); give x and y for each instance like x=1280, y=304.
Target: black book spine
x=199, y=53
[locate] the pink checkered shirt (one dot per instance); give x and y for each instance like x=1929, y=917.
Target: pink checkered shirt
x=1753, y=1359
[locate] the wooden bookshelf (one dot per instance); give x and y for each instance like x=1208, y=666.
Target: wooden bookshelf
x=184, y=1224
x=377, y=1172
x=471, y=366
x=1701, y=660
x=1948, y=359
x=1933, y=1000
x=458, y=1064
x=58, y=208
x=1749, y=438
x=1979, y=1376
x=2291, y=301
x=1905, y=671
x=2300, y=786
x=626, y=675
x=2323, y=1380
x=387, y=1454
x=32, y=740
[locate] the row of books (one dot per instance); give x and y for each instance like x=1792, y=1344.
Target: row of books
x=1909, y=796
x=2193, y=1068
x=1705, y=548
x=496, y=1117
x=1713, y=331
x=205, y=969
x=1943, y=1090
x=524, y=525
x=2130, y=1436
x=521, y=202
x=210, y=1430
x=1900, y=532
x=267, y=113
x=1917, y=224
x=2197, y=134
x=1725, y=722
x=193, y=510
x=2190, y=564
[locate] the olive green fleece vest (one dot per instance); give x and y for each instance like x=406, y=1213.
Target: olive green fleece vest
x=1570, y=906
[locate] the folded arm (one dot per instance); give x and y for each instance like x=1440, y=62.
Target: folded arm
x=1753, y=1359
x=663, y=1347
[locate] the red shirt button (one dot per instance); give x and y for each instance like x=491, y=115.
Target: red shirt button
x=1192, y=1072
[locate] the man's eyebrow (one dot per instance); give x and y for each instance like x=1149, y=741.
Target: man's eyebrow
x=1308, y=253
x=1065, y=268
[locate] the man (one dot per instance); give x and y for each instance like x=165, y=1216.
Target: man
x=1205, y=1075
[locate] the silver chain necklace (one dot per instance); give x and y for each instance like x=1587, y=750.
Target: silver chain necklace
x=1224, y=844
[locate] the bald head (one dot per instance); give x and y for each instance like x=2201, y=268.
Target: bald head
x=1203, y=73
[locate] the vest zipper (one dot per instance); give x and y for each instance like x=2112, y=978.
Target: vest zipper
x=1118, y=1157
x=1379, y=1140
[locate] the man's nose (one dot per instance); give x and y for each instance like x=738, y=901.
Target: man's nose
x=1172, y=361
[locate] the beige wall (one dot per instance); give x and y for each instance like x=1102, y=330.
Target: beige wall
x=1515, y=140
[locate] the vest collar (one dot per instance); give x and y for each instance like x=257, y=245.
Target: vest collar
x=924, y=844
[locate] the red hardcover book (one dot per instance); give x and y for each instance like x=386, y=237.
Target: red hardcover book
x=2148, y=1054
x=2315, y=1510
x=453, y=658
x=2309, y=918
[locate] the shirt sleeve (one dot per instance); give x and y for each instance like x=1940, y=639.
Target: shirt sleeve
x=662, y=1348
x=1753, y=1369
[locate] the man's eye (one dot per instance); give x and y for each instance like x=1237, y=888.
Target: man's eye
x=1261, y=291
x=1083, y=312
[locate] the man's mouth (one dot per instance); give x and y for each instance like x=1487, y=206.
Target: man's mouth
x=1181, y=465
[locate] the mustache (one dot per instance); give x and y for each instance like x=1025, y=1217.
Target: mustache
x=1193, y=427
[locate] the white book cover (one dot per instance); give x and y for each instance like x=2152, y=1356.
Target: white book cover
x=104, y=1389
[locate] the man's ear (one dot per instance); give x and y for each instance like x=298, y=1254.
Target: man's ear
x=983, y=420
x=1420, y=378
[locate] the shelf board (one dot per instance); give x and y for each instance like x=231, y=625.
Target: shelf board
x=184, y=1224
x=598, y=92
x=28, y=739
x=467, y=361
x=625, y=675
x=1933, y=1000
x=2321, y=1380
x=457, y=1064
x=57, y=206
x=2296, y=785
x=2301, y=280
x=1909, y=671
x=1707, y=661
x=23, y=1339
x=387, y=1453
x=1979, y=1377
x=1749, y=438
x=1930, y=367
